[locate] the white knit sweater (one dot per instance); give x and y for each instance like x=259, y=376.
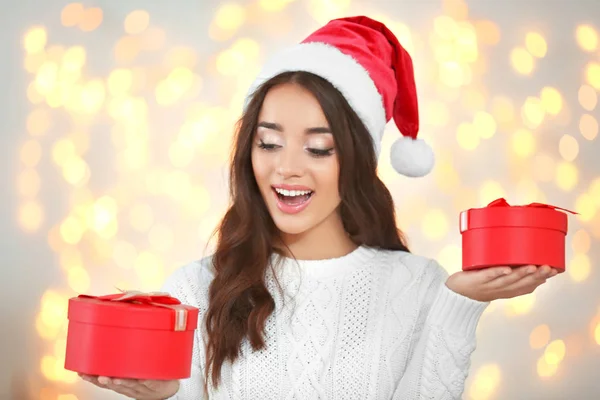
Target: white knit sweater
x=369, y=325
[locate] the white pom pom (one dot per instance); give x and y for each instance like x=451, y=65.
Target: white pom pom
x=412, y=157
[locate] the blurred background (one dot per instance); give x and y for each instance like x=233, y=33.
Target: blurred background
x=116, y=127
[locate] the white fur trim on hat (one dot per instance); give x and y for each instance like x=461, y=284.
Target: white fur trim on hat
x=412, y=157
x=342, y=71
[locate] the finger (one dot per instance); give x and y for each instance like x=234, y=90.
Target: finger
x=516, y=275
x=489, y=274
x=134, y=384
x=117, y=385
x=93, y=380
x=544, y=271
x=531, y=281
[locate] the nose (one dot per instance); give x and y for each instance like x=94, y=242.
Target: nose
x=290, y=163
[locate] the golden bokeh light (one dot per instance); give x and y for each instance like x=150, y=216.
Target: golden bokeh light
x=489, y=191
x=72, y=14
x=540, y=336
x=31, y=216
x=587, y=38
x=31, y=153
x=227, y=20
x=568, y=147
x=325, y=10
x=592, y=74
x=446, y=176
x=536, y=44
x=35, y=40
x=555, y=352
x=581, y=241
x=503, y=109
x=137, y=22
x=520, y=305
x=79, y=280
x=588, y=99
x=28, y=183
x=68, y=396
x=486, y=382
x=73, y=59
x=75, y=171
x=473, y=99
x=153, y=39
x=552, y=100
x=523, y=143
x=450, y=257
x=467, y=137
x=141, y=217
x=588, y=126
x=119, y=82
x=124, y=254
x=586, y=207
x=274, y=5
x=436, y=113
x=579, y=267
x=453, y=74
x=488, y=32
x=91, y=19
x=181, y=56
x=594, y=191
x=150, y=270
x=544, y=369
x=435, y=224
x=574, y=345
x=522, y=61
x=567, y=176
x=533, y=112
x=484, y=124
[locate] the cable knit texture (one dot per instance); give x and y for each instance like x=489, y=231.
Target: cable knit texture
x=373, y=324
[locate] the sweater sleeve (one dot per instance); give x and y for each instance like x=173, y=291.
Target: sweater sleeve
x=189, y=285
x=443, y=340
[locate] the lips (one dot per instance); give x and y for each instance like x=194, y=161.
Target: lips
x=291, y=199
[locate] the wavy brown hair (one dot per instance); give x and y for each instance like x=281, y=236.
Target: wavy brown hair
x=239, y=301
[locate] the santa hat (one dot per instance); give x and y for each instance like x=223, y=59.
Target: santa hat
x=363, y=59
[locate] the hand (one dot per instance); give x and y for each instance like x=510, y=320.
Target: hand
x=499, y=282
x=134, y=388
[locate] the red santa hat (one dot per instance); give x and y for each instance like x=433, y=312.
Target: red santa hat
x=363, y=59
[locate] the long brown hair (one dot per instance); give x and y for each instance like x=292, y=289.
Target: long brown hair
x=239, y=301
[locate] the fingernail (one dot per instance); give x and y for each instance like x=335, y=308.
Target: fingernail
x=117, y=381
x=103, y=380
x=531, y=270
x=507, y=271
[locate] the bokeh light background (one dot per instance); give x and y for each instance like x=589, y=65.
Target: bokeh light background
x=117, y=124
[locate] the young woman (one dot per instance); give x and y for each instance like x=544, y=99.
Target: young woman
x=312, y=292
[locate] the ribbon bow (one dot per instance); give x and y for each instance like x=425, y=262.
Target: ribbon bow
x=501, y=202
x=158, y=299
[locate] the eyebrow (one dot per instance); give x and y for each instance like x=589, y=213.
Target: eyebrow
x=279, y=128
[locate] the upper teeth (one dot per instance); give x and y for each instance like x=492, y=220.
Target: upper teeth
x=292, y=192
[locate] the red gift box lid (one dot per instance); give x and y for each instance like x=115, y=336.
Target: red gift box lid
x=134, y=310
x=500, y=213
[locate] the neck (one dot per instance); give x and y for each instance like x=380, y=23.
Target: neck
x=328, y=240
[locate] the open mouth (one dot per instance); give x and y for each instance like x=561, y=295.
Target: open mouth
x=293, y=197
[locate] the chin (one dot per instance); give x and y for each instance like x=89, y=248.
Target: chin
x=292, y=225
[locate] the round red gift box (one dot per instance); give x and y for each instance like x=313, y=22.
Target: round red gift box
x=513, y=236
x=129, y=340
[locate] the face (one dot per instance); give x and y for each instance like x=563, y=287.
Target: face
x=295, y=162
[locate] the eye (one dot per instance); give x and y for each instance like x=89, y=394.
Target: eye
x=267, y=146
x=321, y=152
